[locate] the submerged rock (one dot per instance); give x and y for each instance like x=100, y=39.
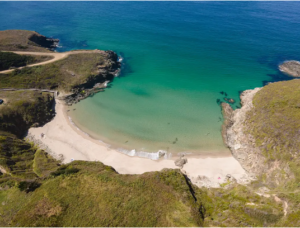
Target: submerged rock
x=229, y=100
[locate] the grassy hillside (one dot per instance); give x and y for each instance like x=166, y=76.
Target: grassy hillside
x=64, y=75
x=274, y=124
x=240, y=206
x=23, y=40
x=91, y=194
x=43, y=163
x=10, y=60
x=22, y=109
x=16, y=156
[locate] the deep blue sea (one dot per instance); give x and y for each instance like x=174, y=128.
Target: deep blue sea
x=179, y=56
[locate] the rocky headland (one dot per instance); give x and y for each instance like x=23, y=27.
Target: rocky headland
x=23, y=40
x=103, y=74
x=291, y=67
x=262, y=134
x=74, y=74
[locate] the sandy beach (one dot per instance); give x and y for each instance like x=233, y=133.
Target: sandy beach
x=61, y=137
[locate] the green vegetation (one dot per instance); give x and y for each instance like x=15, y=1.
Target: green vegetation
x=66, y=74
x=22, y=109
x=8, y=60
x=44, y=164
x=22, y=40
x=240, y=206
x=11, y=60
x=92, y=194
x=274, y=123
x=16, y=156
x=95, y=195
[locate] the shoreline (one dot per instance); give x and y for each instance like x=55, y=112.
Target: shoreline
x=138, y=153
x=127, y=152
x=131, y=151
x=61, y=137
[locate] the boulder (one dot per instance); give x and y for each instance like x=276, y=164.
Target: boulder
x=180, y=162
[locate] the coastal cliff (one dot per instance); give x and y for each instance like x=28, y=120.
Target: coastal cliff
x=263, y=134
x=236, y=138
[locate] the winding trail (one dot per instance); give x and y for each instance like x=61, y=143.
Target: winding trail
x=56, y=56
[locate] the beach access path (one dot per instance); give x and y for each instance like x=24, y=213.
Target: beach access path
x=56, y=56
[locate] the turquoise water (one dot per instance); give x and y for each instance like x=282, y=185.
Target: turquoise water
x=179, y=56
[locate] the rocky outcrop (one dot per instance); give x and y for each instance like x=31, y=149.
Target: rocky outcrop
x=235, y=135
x=180, y=162
x=43, y=41
x=292, y=68
x=105, y=74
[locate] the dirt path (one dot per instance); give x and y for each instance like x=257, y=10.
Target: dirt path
x=56, y=56
x=284, y=203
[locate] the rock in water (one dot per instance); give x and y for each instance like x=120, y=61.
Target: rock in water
x=291, y=68
x=229, y=100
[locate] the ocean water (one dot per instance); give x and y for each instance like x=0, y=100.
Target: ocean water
x=178, y=57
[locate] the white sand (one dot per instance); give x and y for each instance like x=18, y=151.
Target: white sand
x=62, y=137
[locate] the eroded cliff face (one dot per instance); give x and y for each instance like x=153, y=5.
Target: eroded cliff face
x=242, y=144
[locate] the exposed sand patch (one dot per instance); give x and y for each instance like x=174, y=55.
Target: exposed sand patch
x=61, y=137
